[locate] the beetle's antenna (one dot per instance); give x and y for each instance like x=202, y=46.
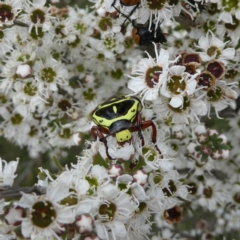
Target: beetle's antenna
x=127, y=17
x=133, y=10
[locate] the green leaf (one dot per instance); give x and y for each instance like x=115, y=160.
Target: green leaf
x=139, y=165
x=98, y=160
x=204, y=158
x=57, y=163
x=197, y=148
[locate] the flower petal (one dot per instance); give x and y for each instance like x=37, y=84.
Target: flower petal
x=176, y=101
x=228, y=53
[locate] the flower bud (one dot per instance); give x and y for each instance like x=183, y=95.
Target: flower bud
x=178, y=134
x=223, y=137
x=200, y=129
x=115, y=170
x=202, y=138
x=211, y=132
x=140, y=177
x=225, y=153
x=101, y=12
x=191, y=147
x=24, y=71
x=216, y=154
x=84, y=224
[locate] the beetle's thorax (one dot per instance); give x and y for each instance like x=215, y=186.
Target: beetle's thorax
x=119, y=126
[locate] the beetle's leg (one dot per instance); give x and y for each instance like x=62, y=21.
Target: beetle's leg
x=143, y=125
x=97, y=133
x=107, y=152
x=150, y=123
x=139, y=124
x=137, y=127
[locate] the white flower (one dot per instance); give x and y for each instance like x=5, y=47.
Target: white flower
x=211, y=194
x=137, y=189
x=64, y=31
x=107, y=5
x=111, y=44
x=9, y=11
x=199, y=167
x=139, y=227
x=149, y=75
x=214, y=48
x=111, y=208
x=6, y=231
x=173, y=188
x=99, y=62
x=17, y=58
x=124, y=152
x=228, y=11
x=27, y=97
x=49, y=74
x=124, y=210
x=178, y=84
x=220, y=97
x=24, y=70
x=231, y=30
x=8, y=37
x=17, y=127
x=189, y=111
x=7, y=171
x=156, y=11
x=84, y=20
x=233, y=219
x=36, y=15
x=61, y=135
x=45, y=213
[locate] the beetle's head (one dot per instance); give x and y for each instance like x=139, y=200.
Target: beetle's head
x=123, y=136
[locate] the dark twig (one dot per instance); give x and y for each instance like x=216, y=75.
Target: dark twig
x=19, y=23
x=14, y=192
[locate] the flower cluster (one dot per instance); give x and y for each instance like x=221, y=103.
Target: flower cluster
x=101, y=198
x=154, y=160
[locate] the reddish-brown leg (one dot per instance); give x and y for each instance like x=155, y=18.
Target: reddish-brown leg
x=142, y=125
x=96, y=133
x=139, y=124
x=147, y=124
